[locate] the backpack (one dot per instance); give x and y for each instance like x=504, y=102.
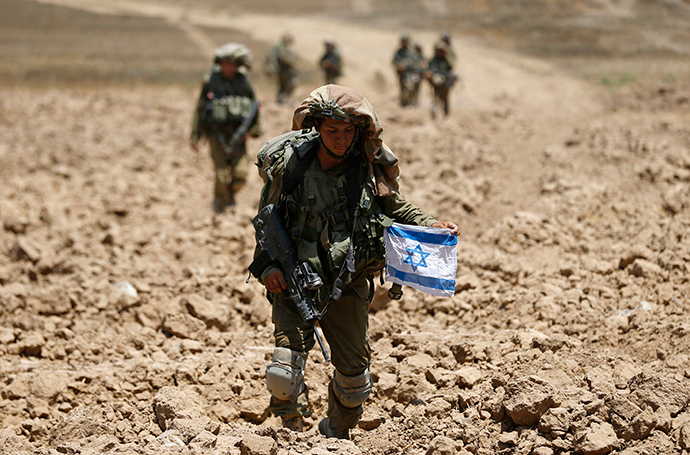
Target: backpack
x=275, y=153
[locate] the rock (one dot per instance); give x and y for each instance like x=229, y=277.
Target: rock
x=438, y=408
x=212, y=313
x=555, y=421
x=644, y=269
x=468, y=376
x=419, y=363
x=649, y=390
x=370, y=420
x=171, y=403
x=527, y=399
x=598, y=439
x=19, y=387
x=31, y=344
x=205, y=441
x=510, y=438
x=466, y=282
x=441, y=445
x=183, y=325
x=633, y=254
x=254, y=409
x=16, y=225
x=253, y=444
x=25, y=250
x=50, y=386
x=170, y=439
x=684, y=436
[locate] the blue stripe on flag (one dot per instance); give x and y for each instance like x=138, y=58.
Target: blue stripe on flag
x=432, y=283
x=425, y=237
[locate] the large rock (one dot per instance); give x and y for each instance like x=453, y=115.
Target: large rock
x=598, y=439
x=527, y=399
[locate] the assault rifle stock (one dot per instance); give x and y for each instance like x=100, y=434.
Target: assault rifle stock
x=300, y=278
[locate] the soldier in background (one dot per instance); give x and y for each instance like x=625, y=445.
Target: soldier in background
x=331, y=62
x=440, y=75
x=226, y=100
x=281, y=62
x=418, y=69
x=403, y=61
x=445, y=38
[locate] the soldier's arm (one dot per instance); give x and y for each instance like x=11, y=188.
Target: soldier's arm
x=400, y=210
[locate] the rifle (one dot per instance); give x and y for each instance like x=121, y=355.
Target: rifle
x=300, y=277
x=231, y=147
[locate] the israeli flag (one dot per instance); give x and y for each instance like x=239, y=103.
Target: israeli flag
x=424, y=258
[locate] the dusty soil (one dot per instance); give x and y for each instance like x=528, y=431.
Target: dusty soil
x=127, y=325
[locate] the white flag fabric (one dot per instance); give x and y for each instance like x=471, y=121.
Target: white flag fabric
x=425, y=258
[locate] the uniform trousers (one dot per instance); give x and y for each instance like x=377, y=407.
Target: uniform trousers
x=346, y=329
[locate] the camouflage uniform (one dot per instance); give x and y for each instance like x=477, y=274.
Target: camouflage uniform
x=418, y=68
x=318, y=215
x=225, y=103
x=331, y=63
x=440, y=75
x=282, y=62
x=404, y=63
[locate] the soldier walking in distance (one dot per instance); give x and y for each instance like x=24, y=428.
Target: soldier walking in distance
x=227, y=108
x=281, y=62
x=334, y=184
x=441, y=77
x=331, y=62
x=404, y=64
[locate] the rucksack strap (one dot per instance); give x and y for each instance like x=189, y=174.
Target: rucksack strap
x=293, y=179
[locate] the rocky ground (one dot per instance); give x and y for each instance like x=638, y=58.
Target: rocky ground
x=127, y=324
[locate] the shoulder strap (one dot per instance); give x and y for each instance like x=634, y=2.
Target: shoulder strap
x=293, y=179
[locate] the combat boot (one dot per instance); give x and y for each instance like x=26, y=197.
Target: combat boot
x=327, y=429
x=295, y=424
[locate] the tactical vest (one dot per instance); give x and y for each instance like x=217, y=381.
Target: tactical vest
x=231, y=101
x=326, y=214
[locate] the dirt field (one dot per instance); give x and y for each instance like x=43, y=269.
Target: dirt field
x=128, y=326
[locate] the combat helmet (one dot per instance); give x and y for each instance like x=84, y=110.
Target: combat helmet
x=347, y=104
x=234, y=52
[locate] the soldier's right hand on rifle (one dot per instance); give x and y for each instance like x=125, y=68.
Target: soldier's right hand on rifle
x=275, y=282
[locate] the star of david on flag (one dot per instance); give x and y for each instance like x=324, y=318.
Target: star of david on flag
x=424, y=258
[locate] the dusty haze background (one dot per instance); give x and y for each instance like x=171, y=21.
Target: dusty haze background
x=127, y=325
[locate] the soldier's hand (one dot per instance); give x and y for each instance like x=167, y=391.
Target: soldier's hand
x=275, y=282
x=454, y=229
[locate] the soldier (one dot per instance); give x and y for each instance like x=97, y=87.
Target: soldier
x=445, y=38
x=418, y=69
x=440, y=75
x=335, y=183
x=403, y=61
x=282, y=62
x=226, y=100
x=331, y=63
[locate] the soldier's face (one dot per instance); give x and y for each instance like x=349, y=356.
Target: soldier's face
x=229, y=69
x=337, y=135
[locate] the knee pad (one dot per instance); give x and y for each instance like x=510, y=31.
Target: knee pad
x=351, y=391
x=285, y=374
